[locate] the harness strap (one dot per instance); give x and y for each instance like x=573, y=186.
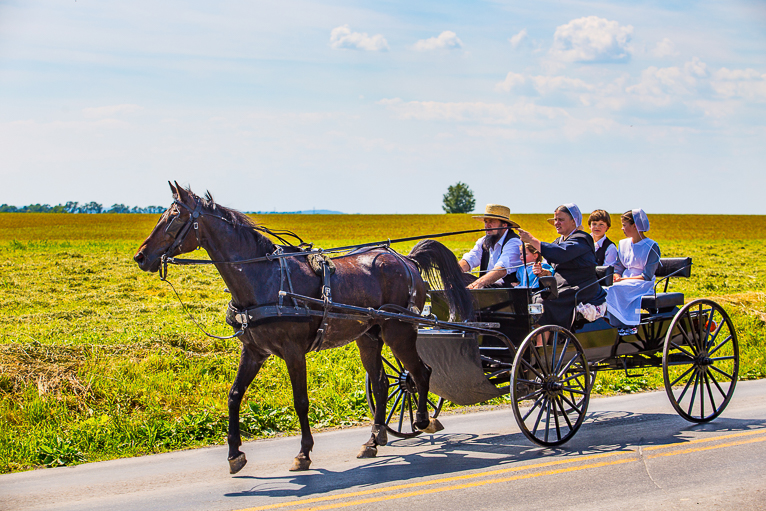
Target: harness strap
x=327, y=302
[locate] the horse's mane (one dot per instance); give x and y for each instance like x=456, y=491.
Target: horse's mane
x=243, y=224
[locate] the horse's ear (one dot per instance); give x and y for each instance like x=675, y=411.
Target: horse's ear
x=183, y=195
x=173, y=188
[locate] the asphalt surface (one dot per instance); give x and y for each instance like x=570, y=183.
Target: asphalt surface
x=632, y=451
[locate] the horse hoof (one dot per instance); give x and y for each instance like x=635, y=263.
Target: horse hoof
x=380, y=435
x=300, y=464
x=434, y=426
x=237, y=463
x=367, y=451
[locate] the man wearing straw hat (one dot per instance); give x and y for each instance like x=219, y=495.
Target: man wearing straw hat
x=497, y=254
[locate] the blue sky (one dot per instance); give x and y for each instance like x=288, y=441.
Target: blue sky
x=377, y=107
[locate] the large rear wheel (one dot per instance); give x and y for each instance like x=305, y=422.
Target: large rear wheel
x=402, y=399
x=551, y=386
x=700, y=360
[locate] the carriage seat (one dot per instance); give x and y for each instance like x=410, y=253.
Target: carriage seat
x=669, y=267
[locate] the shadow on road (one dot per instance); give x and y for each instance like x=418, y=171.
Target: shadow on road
x=447, y=454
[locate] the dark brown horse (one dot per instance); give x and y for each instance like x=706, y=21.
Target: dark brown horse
x=367, y=279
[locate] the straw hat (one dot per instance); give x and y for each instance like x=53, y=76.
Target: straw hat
x=498, y=212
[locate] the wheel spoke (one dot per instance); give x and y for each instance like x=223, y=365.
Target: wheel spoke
x=561, y=358
x=719, y=346
x=708, y=326
x=694, y=392
x=397, y=389
x=718, y=329
x=730, y=377
x=410, y=399
x=553, y=352
x=570, y=390
x=576, y=375
x=530, y=396
x=572, y=404
x=718, y=386
x=689, y=340
x=679, y=348
x=547, y=419
x=560, y=402
x=531, y=368
x=532, y=408
x=710, y=393
x=540, y=415
x=401, y=411
x=435, y=406
x=687, y=385
x=392, y=366
x=681, y=377
x=393, y=408
x=556, y=419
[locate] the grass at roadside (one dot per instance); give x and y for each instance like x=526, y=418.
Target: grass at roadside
x=98, y=361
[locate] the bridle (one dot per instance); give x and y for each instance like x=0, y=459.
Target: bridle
x=180, y=231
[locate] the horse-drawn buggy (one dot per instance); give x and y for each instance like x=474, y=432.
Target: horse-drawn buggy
x=548, y=372
x=445, y=344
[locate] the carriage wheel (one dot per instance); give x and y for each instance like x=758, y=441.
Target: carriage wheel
x=551, y=386
x=402, y=399
x=700, y=361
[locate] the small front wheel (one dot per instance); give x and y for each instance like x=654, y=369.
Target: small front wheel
x=402, y=400
x=551, y=386
x=700, y=361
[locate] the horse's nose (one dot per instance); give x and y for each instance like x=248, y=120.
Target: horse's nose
x=139, y=257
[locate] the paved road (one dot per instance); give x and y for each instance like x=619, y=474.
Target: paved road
x=632, y=450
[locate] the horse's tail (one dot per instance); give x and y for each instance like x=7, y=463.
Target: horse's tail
x=440, y=268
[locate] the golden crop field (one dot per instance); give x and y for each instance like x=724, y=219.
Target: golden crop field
x=97, y=359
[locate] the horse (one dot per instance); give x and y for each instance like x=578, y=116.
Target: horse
x=371, y=278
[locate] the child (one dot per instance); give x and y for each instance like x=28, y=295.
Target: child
x=534, y=269
x=606, y=251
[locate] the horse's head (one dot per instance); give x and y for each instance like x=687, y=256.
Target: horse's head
x=171, y=236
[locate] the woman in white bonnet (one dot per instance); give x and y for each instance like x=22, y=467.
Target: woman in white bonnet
x=637, y=261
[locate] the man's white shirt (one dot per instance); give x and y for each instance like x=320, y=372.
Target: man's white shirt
x=506, y=257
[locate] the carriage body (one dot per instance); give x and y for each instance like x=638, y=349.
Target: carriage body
x=695, y=345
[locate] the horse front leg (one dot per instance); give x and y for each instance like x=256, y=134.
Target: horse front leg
x=369, y=350
x=249, y=365
x=296, y=368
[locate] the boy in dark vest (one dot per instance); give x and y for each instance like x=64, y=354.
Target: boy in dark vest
x=606, y=251
x=497, y=254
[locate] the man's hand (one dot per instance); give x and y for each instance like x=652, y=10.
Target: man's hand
x=475, y=285
x=528, y=238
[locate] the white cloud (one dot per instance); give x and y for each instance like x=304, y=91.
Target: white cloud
x=518, y=39
x=664, y=48
x=659, y=86
x=447, y=40
x=747, y=84
x=111, y=110
x=343, y=38
x=541, y=84
x=484, y=113
x=592, y=39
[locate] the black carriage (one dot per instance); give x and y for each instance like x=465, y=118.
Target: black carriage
x=549, y=371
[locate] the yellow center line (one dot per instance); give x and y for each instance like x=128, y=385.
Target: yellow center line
x=531, y=467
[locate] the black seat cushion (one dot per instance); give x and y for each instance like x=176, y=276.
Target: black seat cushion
x=662, y=300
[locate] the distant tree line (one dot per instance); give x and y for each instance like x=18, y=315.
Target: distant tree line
x=76, y=207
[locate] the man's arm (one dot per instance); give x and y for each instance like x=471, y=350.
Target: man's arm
x=487, y=279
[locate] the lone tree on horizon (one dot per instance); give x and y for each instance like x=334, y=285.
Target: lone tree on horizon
x=458, y=199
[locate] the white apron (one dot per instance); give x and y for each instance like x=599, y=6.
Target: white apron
x=623, y=298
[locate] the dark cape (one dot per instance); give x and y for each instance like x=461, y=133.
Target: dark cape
x=574, y=260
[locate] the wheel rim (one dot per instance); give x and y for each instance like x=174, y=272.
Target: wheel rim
x=551, y=386
x=402, y=400
x=700, y=361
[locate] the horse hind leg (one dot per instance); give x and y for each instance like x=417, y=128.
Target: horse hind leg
x=369, y=350
x=402, y=338
x=296, y=368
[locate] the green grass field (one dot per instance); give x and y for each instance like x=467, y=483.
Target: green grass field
x=98, y=361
